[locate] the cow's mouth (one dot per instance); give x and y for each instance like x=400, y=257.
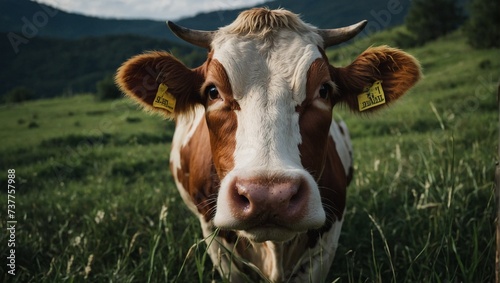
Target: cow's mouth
x=268, y=232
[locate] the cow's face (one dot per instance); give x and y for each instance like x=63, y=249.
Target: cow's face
x=268, y=92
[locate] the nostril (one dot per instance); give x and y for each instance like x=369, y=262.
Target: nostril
x=240, y=197
x=242, y=201
x=297, y=197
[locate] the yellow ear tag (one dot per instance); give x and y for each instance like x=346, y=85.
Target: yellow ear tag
x=164, y=99
x=371, y=96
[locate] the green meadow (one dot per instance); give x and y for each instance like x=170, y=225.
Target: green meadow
x=95, y=201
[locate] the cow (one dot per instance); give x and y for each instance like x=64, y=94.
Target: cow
x=256, y=155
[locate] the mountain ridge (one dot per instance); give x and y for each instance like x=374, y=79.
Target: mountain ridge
x=51, y=22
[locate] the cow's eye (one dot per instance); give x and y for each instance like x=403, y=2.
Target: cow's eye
x=212, y=92
x=325, y=90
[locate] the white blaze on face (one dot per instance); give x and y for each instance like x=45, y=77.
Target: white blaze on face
x=268, y=80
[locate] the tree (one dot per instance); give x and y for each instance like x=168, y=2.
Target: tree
x=483, y=27
x=107, y=89
x=430, y=19
x=19, y=94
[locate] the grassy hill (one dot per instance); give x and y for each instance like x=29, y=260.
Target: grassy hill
x=95, y=200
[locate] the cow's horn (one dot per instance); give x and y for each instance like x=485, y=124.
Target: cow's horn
x=338, y=35
x=199, y=38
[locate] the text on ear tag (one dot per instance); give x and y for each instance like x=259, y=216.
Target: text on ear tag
x=164, y=99
x=371, y=96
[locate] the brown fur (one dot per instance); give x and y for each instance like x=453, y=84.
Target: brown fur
x=197, y=172
x=222, y=122
x=397, y=70
x=318, y=152
x=333, y=184
x=141, y=75
x=314, y=123
x=216, y=75
x=222, y=126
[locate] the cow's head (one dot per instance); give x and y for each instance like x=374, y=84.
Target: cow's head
x=268, y=91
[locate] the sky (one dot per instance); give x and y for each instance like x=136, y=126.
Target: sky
x=146, y=9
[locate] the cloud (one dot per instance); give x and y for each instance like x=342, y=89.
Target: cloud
x=146, y=9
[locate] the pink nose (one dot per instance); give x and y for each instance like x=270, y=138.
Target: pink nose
x=269, y=201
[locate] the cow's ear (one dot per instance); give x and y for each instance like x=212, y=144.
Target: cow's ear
x=159, y=82
x=391, y=70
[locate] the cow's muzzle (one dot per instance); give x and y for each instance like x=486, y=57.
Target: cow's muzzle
x=271, y=208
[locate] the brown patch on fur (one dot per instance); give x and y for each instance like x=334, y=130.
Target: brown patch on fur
x=208, y=155
x=333, y=182
x=314, y=123
x=197, y=173
x=221, y=121
x=222, y=126
x=317, y=75
x=140, y=76
x=217, y=75
x=318, y=152
x=397, y=70
x=333, y=187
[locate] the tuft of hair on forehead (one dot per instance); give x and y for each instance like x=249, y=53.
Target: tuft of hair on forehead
x=262, y=21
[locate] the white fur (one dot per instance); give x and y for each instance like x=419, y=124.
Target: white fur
x=318, y=260
x=342, y=144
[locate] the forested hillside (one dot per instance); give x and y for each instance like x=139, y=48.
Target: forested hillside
x=51, y=52
x=51, y=67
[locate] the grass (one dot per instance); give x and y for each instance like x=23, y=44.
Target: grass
x=95, y=200
x=423, y=197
